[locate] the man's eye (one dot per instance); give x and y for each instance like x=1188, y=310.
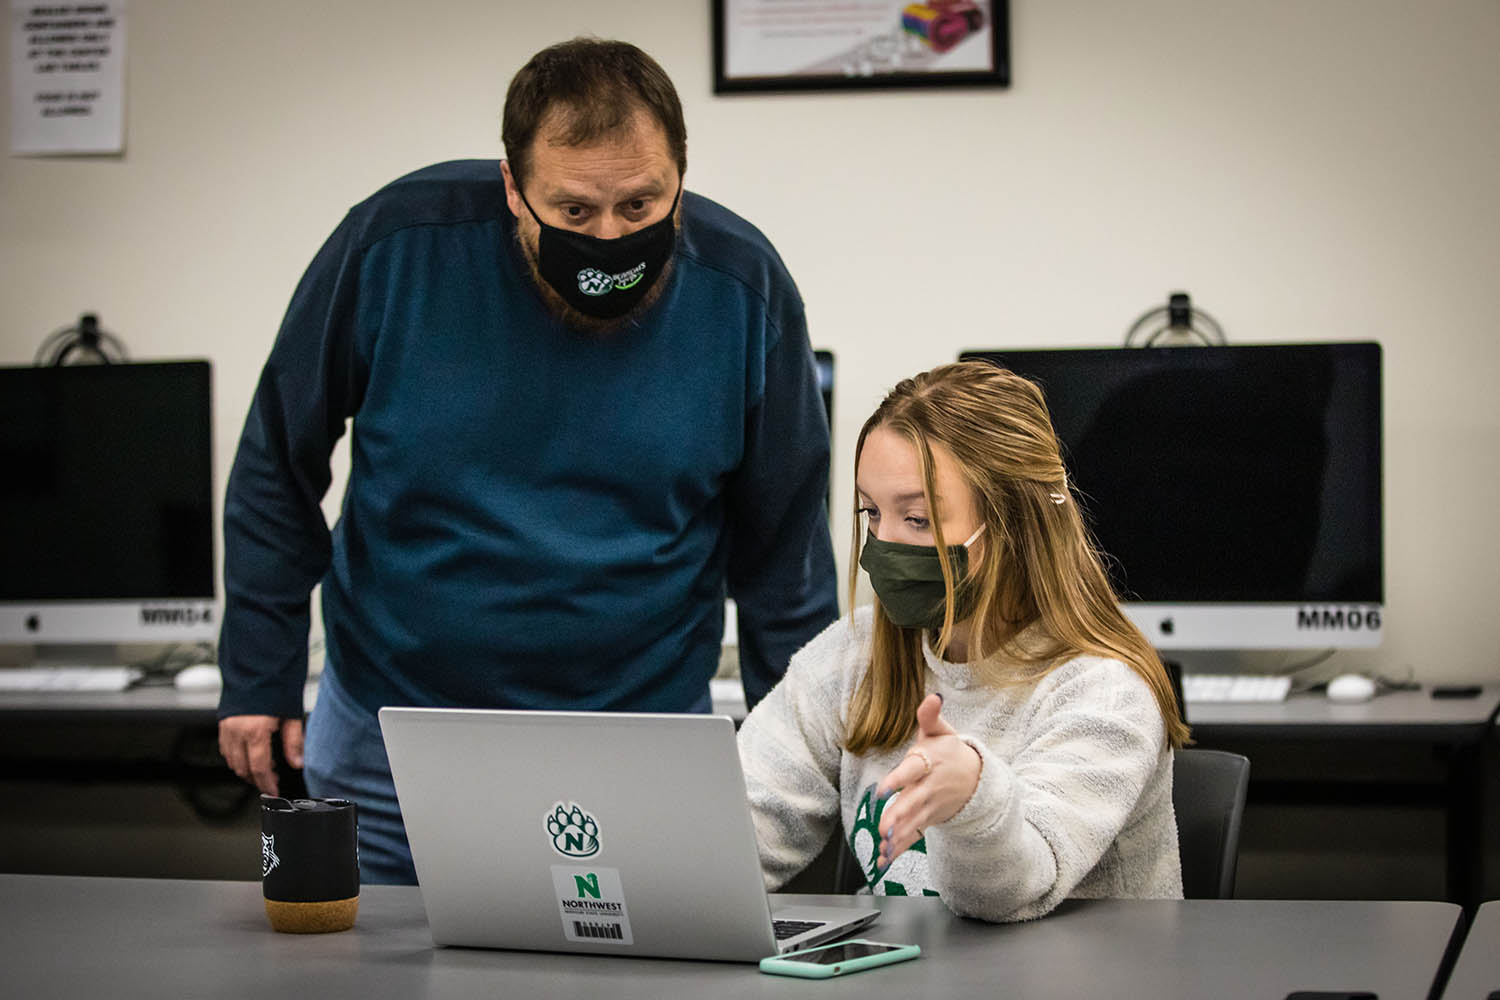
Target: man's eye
x=574, y=211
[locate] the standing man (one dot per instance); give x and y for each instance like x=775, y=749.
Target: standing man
x=584, y=405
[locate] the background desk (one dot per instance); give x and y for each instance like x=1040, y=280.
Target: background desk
x=127, y=783
x=78, y=937
x=1401, y=748
x=1398, y=715
x=141, y=704
x=92, y=735
x=1478, y=971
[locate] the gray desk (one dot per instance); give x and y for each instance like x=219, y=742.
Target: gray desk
x=1477, y=974
x=1413, y=716
x=142, y=704
x=136, y=937
x=1358, y=754
x=1398, y=715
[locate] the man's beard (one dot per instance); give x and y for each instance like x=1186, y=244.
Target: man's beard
x=582, y=321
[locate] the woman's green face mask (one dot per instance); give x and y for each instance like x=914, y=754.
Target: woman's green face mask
x=908, y=579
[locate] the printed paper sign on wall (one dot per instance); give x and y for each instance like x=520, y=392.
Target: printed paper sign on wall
x=67, y=77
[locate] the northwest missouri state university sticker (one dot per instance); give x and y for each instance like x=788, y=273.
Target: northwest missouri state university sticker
x=592, y=904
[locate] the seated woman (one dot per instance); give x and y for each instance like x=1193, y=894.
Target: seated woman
x=993, y=731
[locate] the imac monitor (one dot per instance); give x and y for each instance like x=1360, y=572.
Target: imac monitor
x=106, y=504
x=1235, y=491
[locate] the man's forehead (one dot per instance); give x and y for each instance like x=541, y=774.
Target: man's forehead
x=563, y=128
x=625, y=161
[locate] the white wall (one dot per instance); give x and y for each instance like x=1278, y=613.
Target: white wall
x=1307, y=170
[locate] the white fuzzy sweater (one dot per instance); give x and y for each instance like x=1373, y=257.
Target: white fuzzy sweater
x=1074, y=796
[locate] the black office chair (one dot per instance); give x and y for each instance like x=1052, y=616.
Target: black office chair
x=1208, y=795
x=833, y=872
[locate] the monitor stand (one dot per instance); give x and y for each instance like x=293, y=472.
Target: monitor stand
x=1174, y=674
x=81, y=654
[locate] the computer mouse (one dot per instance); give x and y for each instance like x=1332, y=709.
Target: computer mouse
x=1351, y=687
x=198, y=677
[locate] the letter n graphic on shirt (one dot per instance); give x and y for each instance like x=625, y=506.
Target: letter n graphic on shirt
x=864, y=842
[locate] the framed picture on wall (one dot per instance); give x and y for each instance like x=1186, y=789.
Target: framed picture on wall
x=764, y=45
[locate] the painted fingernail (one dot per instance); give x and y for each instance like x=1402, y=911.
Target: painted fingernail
x=940, y=696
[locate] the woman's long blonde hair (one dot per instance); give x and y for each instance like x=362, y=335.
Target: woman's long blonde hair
x=1040, y=592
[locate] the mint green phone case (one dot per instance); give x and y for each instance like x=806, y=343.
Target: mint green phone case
x=789, y=965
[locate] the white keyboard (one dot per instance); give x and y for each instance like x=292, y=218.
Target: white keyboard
x=1235, y=687
x=68, y=678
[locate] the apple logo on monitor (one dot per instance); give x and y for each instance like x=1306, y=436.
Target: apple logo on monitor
x=1167, y=626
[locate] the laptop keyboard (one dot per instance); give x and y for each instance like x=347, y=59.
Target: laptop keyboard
x=791, y=928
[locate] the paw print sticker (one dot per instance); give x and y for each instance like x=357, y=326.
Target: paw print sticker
x=574, y=832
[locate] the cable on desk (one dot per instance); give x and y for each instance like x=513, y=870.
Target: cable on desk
x=1293, y=670
x=160, y=669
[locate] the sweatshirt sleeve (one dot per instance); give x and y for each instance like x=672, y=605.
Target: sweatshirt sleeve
x=1039, y=823
x=781, y=568
x=277, y=544
x=789, y=749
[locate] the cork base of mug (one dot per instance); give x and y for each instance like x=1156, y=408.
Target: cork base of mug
x=312, y=918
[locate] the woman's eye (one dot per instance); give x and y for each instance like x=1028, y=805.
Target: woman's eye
x=869, y=512
x=920, y=523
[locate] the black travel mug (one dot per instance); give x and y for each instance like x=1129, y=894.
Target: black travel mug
x=309, y=863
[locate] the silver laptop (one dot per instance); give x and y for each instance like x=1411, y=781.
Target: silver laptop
x=598, y=832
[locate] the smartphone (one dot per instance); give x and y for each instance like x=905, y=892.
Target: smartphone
x=838, y=959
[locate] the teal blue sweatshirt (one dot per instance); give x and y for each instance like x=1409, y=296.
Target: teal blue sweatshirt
x=535, y=517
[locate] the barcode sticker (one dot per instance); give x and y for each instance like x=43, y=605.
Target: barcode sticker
x=592, y=904
x=598, y=932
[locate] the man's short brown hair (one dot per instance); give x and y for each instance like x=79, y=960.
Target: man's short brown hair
x=596, y=86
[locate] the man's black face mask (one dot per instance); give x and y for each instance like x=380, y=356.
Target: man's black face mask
x=604, y=278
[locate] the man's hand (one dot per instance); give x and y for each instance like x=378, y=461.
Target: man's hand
x=245, y=742
x=936, y=779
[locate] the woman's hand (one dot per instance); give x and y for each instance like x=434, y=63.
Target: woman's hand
x=936, y=779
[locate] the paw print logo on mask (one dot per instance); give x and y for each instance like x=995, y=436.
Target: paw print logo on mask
x=574, y=832
x=592, y=281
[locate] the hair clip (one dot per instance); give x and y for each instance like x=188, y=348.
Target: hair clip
x=1058, y=498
